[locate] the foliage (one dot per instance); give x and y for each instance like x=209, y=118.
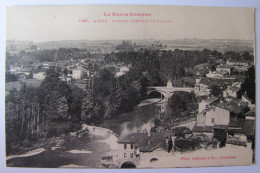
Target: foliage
x=181, y=131
x=187, y=144
x=180, y=105
x=216, y=91
x=32, y=112
x=10, y=77
x=249, y=85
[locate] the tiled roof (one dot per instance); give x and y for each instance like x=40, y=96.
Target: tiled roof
x=246, y=96
x=248, y=127
x=212, y=81
x=238, y=123
x=234, y=89
x=223, y=127
x=202, y=129
x=236, y=106
x=147, y=143
x=211, y=99
x=243, y=126
x=250, y=113
x=224, y=66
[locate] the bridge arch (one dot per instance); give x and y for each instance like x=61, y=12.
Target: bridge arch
x=128, y=165
x=162, y=93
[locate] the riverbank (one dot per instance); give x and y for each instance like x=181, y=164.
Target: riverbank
x=102, y=134
x=148, y=102
x=109, y=136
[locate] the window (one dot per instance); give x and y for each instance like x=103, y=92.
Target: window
x=125, y=146
x=204, y=113
x=212, y=120
x=132, y=146
x=135, y=148
x=125, y=155
x=131, y=155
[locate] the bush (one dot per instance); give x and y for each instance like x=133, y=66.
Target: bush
x=187, y=144
x=181, y=131
x=52, y=132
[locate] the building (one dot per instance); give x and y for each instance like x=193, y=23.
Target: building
x=241, y=132
x=142, y=148
x=122, y=71
x=39, y=76
x=250, y=115
x=232, y=91
x=246, y=99
x=77, y=73
x=201, y=89
x=205, y=104
x=224, y=68
x=215, y=74
x=212, y=122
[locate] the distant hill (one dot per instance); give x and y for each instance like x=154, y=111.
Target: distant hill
x=221, y=45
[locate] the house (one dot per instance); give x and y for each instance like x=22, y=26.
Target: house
x=77, y=73
x=205, y=104
x=232, y=91
x=201, y=89
x=236, y=107
x=138, y=147
x=241, y=131
x=39, y=76
x=212, y=122
x=250, y=115
x=122, y=71
x=224, y=68
x=237, y=84
x=246, y=99
x=214, y=74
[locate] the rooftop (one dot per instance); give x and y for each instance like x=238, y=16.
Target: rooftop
x=211, y=99
x=236, y=106
x=250, y=113
x=234, y=89
x=243, y=126
x=202, y=128
x=246, y=97
x=145, y=142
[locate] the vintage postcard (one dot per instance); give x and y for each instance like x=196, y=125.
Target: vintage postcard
x=130, y=86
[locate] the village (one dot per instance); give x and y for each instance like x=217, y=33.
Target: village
x=224, y=119
x=224, y=123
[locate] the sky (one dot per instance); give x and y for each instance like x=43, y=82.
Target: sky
x=53, y=23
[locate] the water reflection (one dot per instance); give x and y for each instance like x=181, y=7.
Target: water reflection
x=141, y=119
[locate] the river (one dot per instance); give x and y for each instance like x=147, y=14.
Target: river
x=87, y=150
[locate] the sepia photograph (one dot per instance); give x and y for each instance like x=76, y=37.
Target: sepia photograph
x=130, y=86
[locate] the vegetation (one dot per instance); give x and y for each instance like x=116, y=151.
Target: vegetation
x=10, y=77
x=249, y=84
x=181, y=105
x=56, y=108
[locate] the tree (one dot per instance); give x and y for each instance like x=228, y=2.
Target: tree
x=180, y=105
x=249, y=83
x=63, y=109
x=216, y=91
x=87, y=107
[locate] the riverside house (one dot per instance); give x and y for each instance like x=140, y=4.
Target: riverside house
x=142, y=149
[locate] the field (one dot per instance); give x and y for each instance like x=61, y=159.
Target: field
x=17, y=84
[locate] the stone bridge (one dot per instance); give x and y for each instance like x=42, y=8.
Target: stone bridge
x=168, y=91
x=127, y=162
